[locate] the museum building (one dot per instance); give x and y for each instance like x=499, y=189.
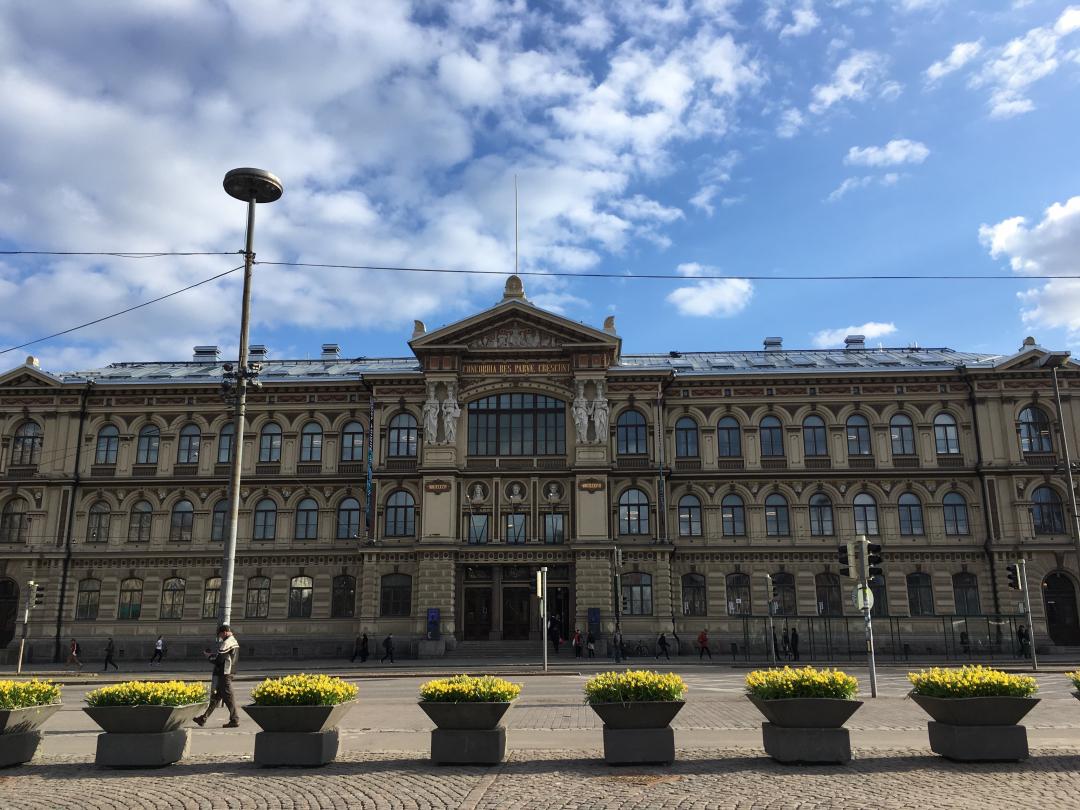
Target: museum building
x=659, y=490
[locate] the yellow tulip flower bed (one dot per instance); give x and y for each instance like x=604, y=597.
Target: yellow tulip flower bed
x=148, y=693
x=469, y=689
x=1074, y=676
x=972, y=681
x=22, y=694
x=303, y=690
x=634, y=686
x=805, y=682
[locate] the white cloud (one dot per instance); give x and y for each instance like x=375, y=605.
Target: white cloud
x=871, y=330
x=960, y=55
x=895, y=153
x=710, y=298
x=791, y=121
x=803, y=20
x=853, y=80
x=854, y=183
x=920, y=5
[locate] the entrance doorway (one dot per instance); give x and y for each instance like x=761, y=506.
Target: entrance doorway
x=1062, y=622
x=477, y=614
x=9, y=610
x=516, y=613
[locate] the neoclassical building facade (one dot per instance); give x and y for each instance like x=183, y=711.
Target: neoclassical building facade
x=515, y=439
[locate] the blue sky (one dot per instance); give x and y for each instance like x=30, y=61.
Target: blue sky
x=685, y=137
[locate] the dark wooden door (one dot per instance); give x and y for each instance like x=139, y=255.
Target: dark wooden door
x=1061, y=616
x=516, y=613
x=9, y=610
x=477, y=614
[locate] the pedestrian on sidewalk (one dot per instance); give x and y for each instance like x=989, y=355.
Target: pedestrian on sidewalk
x=785, y=644
x=74, y=651
x=388, y=649
x=795, y=643
x=590, y=644
x=159, y=650
x=224, y=659
x=775, y=646
x=1024, y=640
x=577, y=644
x=616, y=645
x=662, y=646
x=362, y=648
x=703, y=645
x=356, y=650
x=110, y=651
x=555, y=632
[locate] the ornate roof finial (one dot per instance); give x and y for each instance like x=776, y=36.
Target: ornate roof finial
x=514, y=289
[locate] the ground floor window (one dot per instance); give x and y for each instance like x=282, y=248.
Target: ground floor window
x=300, y=590
x=343, y=598
x=738, y=595
x=637, y=594
x=693, y=595
x=396, y=596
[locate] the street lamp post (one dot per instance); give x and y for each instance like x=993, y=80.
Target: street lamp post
x=251, y=186
x=1068, y=463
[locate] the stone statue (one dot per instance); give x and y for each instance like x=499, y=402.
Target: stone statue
x=581, y=411
x=451, y=411
x=431, y=416
x=477, y=493
x=600, y=413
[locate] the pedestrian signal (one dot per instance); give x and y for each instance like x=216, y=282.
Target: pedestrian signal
x=1013, y=572
x=845, y=555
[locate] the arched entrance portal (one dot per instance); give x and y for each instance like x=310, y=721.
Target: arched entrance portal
x=9, y=610
x=1059, y=596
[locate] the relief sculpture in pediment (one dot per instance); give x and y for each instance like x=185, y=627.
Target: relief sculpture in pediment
x=515, y=336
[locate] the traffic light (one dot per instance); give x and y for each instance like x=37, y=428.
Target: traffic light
x=845, y=555
x=872, y=566
x=1013, y=572
x=39, y=594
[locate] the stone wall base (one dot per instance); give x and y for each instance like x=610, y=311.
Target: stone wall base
x=635, y=746
x=468, y=746
x=806, y=745
x=18, y=748
x=141, y=750
x=295, y=748
x=978, y=743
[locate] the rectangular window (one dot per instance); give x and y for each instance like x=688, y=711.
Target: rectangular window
x=553, y=529
x=478, y=528
x=515, y=528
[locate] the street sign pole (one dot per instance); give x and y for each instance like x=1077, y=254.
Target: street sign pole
x=30, y=591
x=1027, y=610
x=864, y=586
x=541, y=591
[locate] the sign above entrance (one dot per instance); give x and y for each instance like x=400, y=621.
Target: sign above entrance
x=591, y=485
x=512, y=367
x=437, y=487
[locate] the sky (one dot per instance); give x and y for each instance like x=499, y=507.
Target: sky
x=688, y=138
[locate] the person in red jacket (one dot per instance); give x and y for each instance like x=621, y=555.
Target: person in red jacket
x=703, y=645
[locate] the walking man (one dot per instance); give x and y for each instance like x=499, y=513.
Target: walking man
x=159, y=650
x=74, y=651
x=590, y=644
x=795, y=643
x=221, y=688
x=554, y=632
x=110, y=651
x=703, y=645
x=662, y=646
x=388, y=648
x=616, y=645
x=577, y=644
x=1024, y=641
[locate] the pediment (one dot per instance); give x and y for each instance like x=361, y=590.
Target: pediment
x=27, y=376
x=1035, y=357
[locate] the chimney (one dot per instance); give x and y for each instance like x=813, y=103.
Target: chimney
x=774, y=344
x=257, y=352
x=206, y=354
x=855, y=342
x=331, y=351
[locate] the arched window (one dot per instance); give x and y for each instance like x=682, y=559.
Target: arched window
x=311, y=442
x=86, y=603
x=352, y=442
x=630, y=436
x=858, y=436
x=211, y=598
x=911, y=516
x=728, y=438
x=784, y=587
x=771, y=433
x=866, y=518
x=108, y=440
x=270, y=443
x=182, y=522
x=258, y=598
x=965, y=588
x=142, y=516
x=686, y=438
x=130, y=599
x=395, y=598
x=149, y=445
x=14, y=527
x=402, y=436
x=954, y=508
x=173, y=591
x=902, y=434
x=226, y=443
x=307, y=520
x=920, y=594
x=1046, y=512
x=187, y=451
x=300, y=589
x=733, y=516
x=633, y=512
x=348, y=519
x=265, y=520
x=517, y=425
x=813, y=437
x=821, y=517
x=828, y=594
x=26, y=446
x=219, y=520
x=98, y=523
x=343, y=597
x=400, y=515
x=689, y=516
x=946, y=438
x=1035, y=431
x=693, y=595
x=637, y=594
x=738, y=594
x=777, y=523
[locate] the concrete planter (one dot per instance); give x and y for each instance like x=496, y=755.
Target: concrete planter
x=466, y=733
x=306, y=719
x=639, y=733
x=977, y=729
x=806, y=730
x=297, y=736
x=142, y=736
x=19, y=732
